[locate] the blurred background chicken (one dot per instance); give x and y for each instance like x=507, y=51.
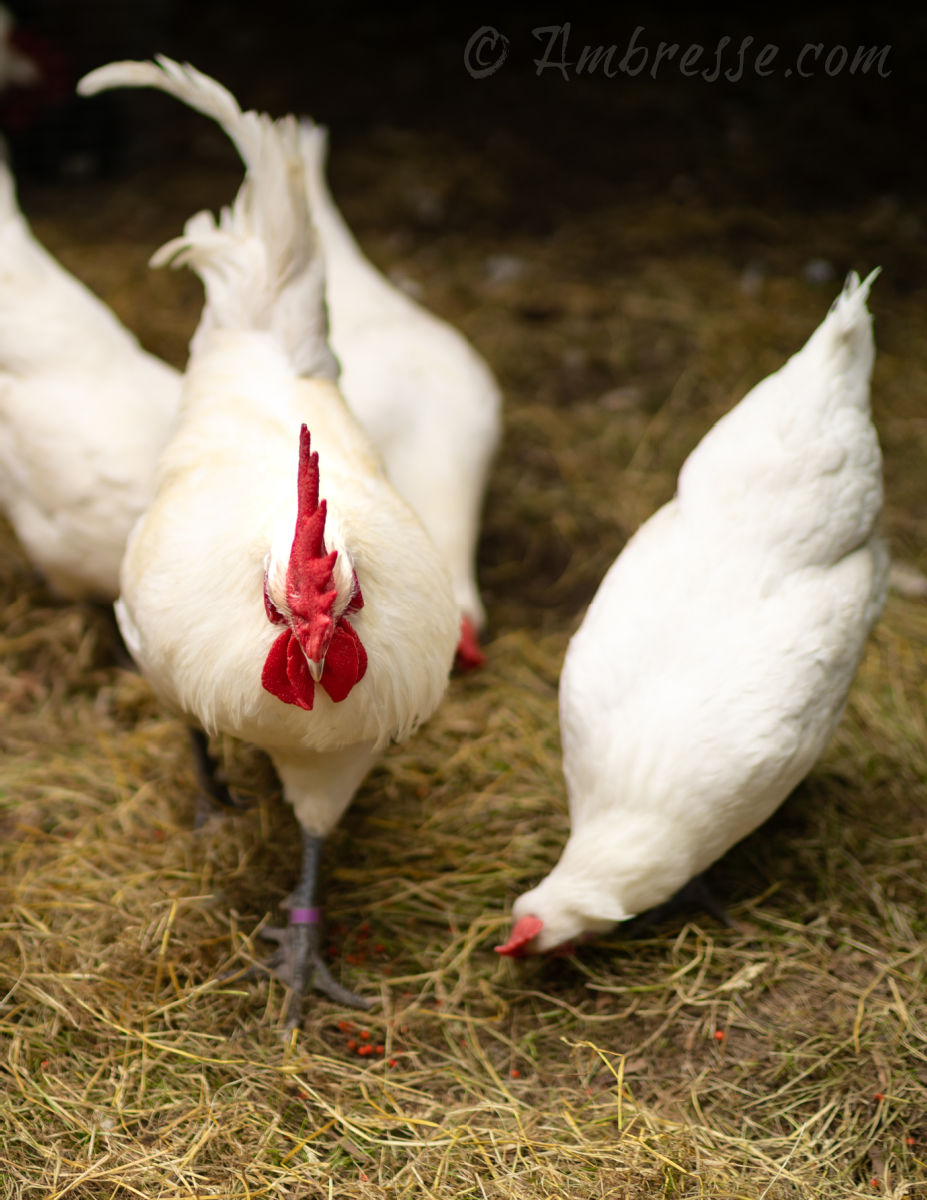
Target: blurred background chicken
x=84, y=413
x=420, y=390
x=714, y=662
x=278, y=589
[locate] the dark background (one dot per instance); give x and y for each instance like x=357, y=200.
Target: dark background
x=560, y=144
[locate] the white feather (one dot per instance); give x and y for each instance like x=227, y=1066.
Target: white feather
x=84, y=413
x=420, y=390
x=258, y=262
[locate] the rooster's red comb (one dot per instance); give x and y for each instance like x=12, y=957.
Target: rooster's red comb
x=310, y=587
x=311, y=633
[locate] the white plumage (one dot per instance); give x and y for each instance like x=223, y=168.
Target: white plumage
x=84, y=413
x=70, y=372
x=714, y=662
x=420, y=390
x=220, y=532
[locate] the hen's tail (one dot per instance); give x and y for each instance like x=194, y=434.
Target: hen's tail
x=844, y=340
x=855, y=294
x=849, y=310
x=259, y=262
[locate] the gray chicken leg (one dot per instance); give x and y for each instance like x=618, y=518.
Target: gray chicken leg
x=212, y=794
x=298, y=961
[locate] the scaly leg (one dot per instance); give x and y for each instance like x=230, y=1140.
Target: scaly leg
x=298, y=960
x=212, y=793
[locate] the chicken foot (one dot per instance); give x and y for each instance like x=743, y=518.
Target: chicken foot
x=298, y=960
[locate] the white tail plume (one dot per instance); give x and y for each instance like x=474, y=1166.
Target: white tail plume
x=314, y=141
x=844, y=339
x=852, y=300
x=260, y=262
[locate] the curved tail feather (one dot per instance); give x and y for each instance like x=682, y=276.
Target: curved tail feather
x=259, y=262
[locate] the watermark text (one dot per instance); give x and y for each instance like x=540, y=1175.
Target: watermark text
x=731, y=60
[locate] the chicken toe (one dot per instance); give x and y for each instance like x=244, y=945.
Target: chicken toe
x=298, y=962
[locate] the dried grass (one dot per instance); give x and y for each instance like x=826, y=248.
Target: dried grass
x=784, y=1058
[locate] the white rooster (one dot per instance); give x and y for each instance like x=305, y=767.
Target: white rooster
x=84, y=413
x=714, y=662
x=420, y=390
x=282, y=594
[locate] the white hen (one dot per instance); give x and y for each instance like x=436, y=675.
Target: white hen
x=420, y=390
x=84, y=413
x=316, y=629
x=715, y=660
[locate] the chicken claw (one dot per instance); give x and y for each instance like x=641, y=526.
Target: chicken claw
x=298, y=961
x=299, y=964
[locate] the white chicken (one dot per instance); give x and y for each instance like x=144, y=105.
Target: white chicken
x=423, y=394
x=317, y=629
x=84, y=413
x=714, y=661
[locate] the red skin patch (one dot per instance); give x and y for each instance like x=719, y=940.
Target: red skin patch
x=523, y=931
x=469, y=654
x=311, y=633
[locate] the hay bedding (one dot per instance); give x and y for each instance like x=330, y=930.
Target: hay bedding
x=784, y=1058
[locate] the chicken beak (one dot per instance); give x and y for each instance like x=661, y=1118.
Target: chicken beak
x=523, y=931
x=316, y=667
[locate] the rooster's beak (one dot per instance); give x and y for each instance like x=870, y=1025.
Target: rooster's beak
x=316, y=667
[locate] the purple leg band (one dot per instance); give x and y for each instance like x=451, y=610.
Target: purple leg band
x=305, y=916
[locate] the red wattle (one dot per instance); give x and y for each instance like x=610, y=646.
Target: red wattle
x=345, y=662
x=286, y=672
